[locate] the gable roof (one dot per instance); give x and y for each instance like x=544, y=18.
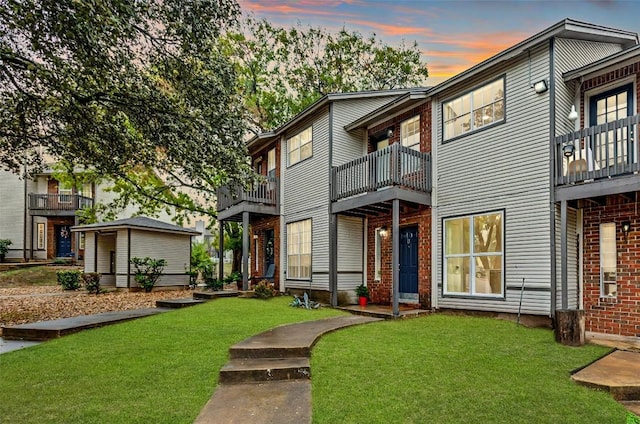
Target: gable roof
x=567, y=28
x=413, y=98
x=138, y=223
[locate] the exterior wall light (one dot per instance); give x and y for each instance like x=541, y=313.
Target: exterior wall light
x=573, y=115
x=540, y=86
x=390, y=132
x=384, y=231
x=626, y=227
x=567, y=150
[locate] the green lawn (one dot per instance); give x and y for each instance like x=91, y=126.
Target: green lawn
x=453, y=369
x=37, y=276
x=436, y=369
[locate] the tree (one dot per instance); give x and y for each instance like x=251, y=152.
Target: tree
x=135, y=90
x=282, y=71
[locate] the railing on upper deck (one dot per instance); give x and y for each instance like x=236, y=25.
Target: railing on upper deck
x=395, y=165
x=263, y=192
x=58, y=202
x=600, y=151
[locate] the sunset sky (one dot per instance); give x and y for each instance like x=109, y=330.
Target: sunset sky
x=453, y=35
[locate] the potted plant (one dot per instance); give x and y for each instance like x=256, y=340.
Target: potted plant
x=362, y=292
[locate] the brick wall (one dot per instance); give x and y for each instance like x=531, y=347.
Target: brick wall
x=51, y=236
x=258, y=226
x=620, y=315
x=423, y=110
x=380, y=291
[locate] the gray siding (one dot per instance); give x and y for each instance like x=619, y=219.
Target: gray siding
x=350, y=252
x=122, y=262
x=12, y=206
x=503, y=168
x=174, y=248
x=572, y=259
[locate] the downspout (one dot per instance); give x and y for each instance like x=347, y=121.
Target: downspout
x=128, y=258
x=333, y=224
x=552, y=176
x=25, y=257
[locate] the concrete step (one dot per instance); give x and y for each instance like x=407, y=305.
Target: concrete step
x=178, y=303
x=209, y=295
x=265, y=369
x=632, y=406
x=269, y=352
x=616, y=373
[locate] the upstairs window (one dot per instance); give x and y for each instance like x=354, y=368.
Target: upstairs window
x=271, y=163
x=300, y=146
x=474, y=110
x=410, y=133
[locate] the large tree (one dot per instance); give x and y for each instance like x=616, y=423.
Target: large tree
x=136, y=90
x=281, y=71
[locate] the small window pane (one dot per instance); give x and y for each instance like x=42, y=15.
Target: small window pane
x=457, y=236
x=458, y=275
x=487, y=233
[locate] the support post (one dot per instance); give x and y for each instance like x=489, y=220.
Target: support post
x=395, y=255
x=333, y=258
x=245, y=251
x=76, y=243
x=220, y=250
x=563, y=255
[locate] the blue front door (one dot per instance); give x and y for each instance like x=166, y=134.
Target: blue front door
x=408, y=264
x=63, y=241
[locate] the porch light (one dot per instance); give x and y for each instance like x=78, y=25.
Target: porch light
x=540, y=86
x=390, y=132
x=573, y=115
x=626, y=227
x=567, y=150
x=383, y=231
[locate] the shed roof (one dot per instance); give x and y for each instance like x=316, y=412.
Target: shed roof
x=139, y=223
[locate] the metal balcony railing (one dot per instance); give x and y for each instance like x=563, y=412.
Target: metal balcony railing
x=264, y=192
x=58, y=202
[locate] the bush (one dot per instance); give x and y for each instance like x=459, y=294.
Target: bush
x=4, y=248
x=69, y=279
x=264, y=290
x=199, y=256
x=210, y=280
x=91, y=281
x=148, y=271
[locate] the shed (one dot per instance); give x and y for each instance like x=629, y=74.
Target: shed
x=109, y=247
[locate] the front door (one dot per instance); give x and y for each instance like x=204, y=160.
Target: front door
x=63, y=241
x=614, y=148
x=268, y=249
x=408, y=264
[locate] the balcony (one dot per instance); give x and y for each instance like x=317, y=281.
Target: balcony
x=57, y=204
x=395, y=172
x=598, y=160
x=261, y=199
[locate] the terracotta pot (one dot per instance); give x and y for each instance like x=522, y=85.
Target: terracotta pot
x=362, y=301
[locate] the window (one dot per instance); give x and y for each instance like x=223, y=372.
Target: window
x=608, y=260
x=378, y=247
x=300, y=146
x=410, y=133
x=64, y=193
x=474, y=110
x=271, y=163
x=473, y=259
x=41, y=235
x=299, y=250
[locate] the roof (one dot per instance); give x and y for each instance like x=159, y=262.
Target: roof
x=319, y=104
x=138, y=223
x=621, y=56
x=414, y=97
x=567, y=28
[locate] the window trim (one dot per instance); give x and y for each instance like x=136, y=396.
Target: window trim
x=603, y=294
x=310, y=250
x=406, y=121
x=299, y=148
x=445, y=294
x=502, y=77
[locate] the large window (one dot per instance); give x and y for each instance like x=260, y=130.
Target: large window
x=299, y=250
x=608, y=260
x=474, y=110
x=300, y=146
x=410, y=133
x=474, y=253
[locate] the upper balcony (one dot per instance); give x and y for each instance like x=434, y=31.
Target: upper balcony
x=261, y=199
x=366, y=185
x=598, y=161
x=57, y=204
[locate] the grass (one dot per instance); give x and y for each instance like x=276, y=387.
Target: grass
x=453, y=369
x=37, y=275
x=160, y=369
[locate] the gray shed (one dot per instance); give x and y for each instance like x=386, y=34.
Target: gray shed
x=109, y=247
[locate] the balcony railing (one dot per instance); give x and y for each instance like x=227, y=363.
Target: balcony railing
x=58, y=202
x=601, y=151
x=395, y=165
x=264, y=192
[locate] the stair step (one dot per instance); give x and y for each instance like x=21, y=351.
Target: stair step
x=633, y=406
x=265, y=369
x=177, y=303
x=272, y=352
x=214, y=294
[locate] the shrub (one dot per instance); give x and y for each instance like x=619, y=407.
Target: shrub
x=199, y=255
x=148, y=271
x=265, y=290
x=69, y=279
x=4, y=248
x=91, y=281
x=208, y=275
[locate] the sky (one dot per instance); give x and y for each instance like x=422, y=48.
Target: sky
x=452, y=35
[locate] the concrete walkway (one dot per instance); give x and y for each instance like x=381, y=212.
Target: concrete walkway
x=267, y=377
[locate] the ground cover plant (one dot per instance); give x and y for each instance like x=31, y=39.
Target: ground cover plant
x=160, y=369
x=37, y=275
x=453, y=369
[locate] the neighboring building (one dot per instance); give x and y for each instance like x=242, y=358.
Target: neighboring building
x=489, y=199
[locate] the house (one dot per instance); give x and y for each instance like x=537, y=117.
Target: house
x=510, y=188
x=110, y=246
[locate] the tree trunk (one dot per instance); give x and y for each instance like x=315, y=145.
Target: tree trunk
x=236, y=265
x=569, y=327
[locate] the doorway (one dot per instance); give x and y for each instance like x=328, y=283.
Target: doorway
x=408, y=265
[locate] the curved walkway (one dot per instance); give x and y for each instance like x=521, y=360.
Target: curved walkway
x=267, y=378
